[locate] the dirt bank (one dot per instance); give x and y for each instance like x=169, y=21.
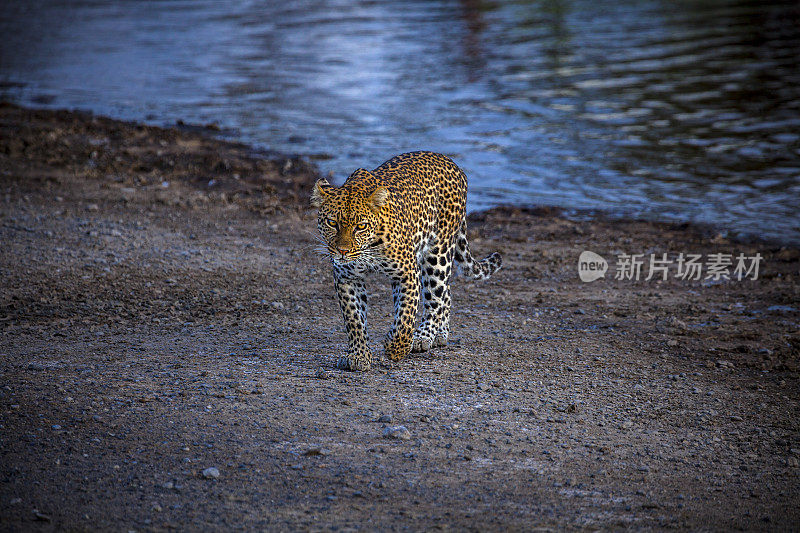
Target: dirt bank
x=162, y=314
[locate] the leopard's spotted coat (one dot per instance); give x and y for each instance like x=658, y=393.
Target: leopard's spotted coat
x=406, y=219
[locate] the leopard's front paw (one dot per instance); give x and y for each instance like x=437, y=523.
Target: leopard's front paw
x=354, y=363
x=396, y=349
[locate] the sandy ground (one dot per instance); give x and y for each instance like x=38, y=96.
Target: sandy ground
x=163, y=314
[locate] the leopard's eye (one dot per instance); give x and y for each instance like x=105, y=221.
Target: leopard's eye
x=361, y=227
x=331, y=222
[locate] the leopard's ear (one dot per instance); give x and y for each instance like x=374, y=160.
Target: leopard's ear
x=320, y=192
x=378, y=198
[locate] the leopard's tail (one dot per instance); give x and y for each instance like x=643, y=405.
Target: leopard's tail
x=469, y=266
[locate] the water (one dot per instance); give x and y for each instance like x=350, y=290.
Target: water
x=662, y=109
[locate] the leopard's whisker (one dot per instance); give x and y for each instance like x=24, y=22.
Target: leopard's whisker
x=314, y=246
x=316, y=236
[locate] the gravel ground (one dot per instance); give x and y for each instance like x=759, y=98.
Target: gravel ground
x=169, y=340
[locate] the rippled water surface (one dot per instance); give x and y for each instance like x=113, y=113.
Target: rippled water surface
x=680, y=110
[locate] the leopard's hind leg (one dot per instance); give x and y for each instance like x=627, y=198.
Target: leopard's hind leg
x=437, y=268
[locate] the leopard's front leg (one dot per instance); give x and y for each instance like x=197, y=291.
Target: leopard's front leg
x=352, y=297
x=405, y=292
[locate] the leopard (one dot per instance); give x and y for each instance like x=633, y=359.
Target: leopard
x=407, y=220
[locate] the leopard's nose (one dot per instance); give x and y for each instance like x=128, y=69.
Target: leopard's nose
x=344, y=251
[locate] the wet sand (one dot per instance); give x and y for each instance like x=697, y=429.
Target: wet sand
x=163, y=313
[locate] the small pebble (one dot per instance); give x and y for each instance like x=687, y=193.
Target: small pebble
x=312, y=452
x=397, y=432
x=211, y=472
x=385, y=419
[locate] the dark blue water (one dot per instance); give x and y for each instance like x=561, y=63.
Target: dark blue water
x=676, y=110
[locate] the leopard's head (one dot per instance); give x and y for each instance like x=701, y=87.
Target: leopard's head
x=349, y=219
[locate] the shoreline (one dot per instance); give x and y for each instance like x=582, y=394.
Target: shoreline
x=156, y=324
x=212, y=131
